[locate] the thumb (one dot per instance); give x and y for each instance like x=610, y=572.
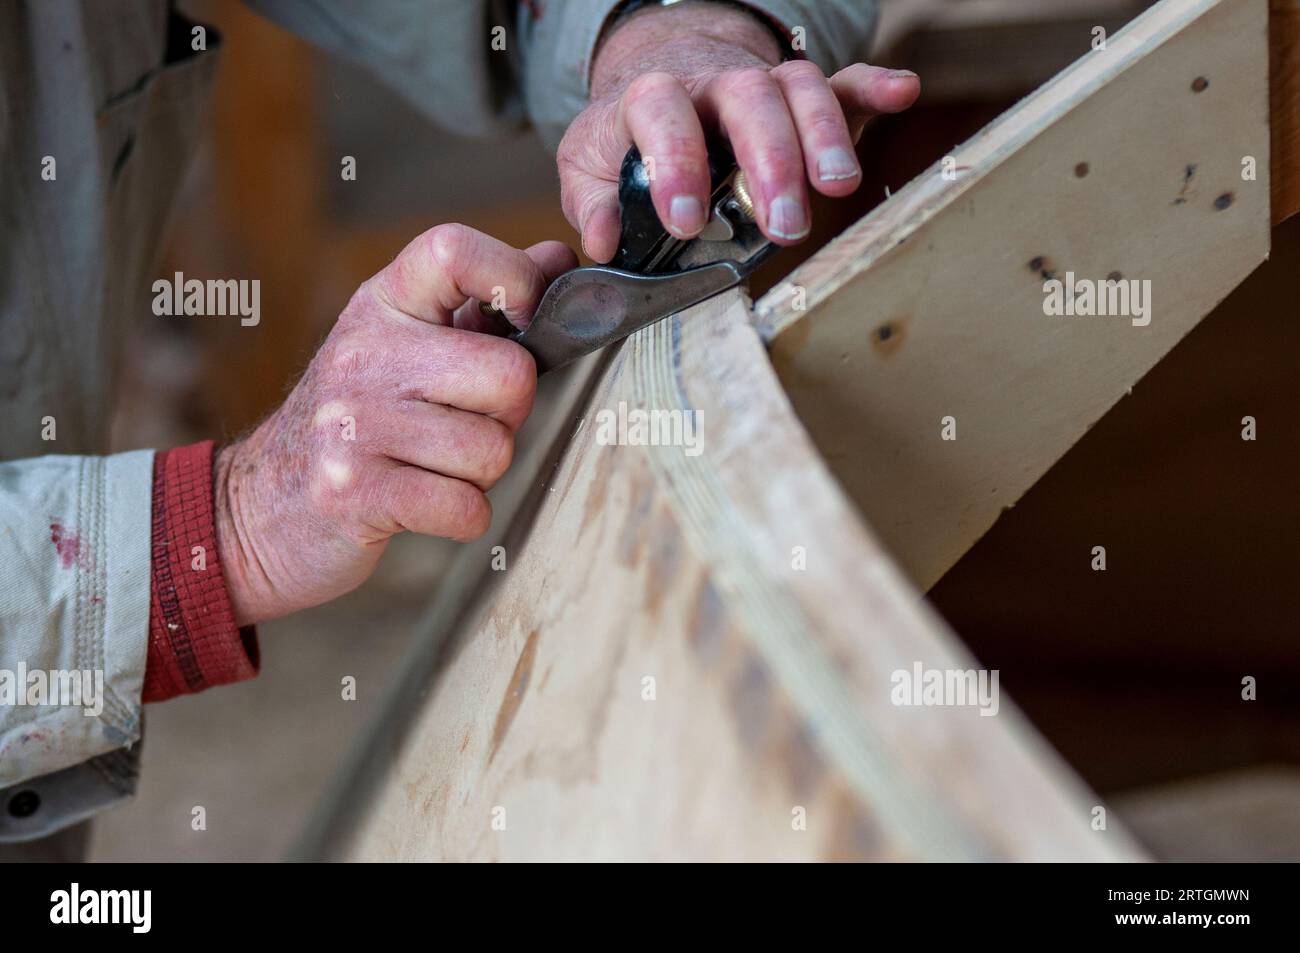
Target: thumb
x=867, y=91
x=591, y=206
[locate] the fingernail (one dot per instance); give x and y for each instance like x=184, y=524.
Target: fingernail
x=835, y=164
x=901, y=74
x=786, y=218
x=685, y=215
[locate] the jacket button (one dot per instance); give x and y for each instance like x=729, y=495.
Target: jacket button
x=24, y=804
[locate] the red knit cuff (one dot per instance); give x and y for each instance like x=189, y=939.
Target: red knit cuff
x=193, y=640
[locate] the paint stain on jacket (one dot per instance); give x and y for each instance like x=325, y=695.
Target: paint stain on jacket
x=68, y=545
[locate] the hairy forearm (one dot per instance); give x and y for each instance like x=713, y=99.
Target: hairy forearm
x=688, y=40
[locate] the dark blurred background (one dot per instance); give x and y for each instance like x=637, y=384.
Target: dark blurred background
x=1134, y=674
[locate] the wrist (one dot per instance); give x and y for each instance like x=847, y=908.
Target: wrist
x=245, y=580
x=690, y=39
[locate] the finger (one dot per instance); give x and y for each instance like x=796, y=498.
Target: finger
x=444, y=267
x=415, y=499
x=752, y=112
x=456, y=443
x=480, y=373
x=829, y=161
x=656, y=113
x=553, y=258
x=866, y=91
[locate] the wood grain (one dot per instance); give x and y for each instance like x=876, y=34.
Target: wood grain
x=1129, y=163
x=772, y=684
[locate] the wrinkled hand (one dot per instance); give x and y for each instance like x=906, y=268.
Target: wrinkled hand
x=670, y=73
x=403, y=420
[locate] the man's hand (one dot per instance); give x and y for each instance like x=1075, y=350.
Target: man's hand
x=404, y=418
x=669, y=73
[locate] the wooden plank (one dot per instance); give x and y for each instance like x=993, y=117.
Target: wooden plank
x=1129, y=163
x=772, y=683
x=1284, y=80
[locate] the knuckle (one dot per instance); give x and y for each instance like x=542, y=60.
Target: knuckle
x=680, y=157
x=825, y=125
x=373, y=289
x=345, y=359
x=747, y=83
x=515, y=374
x=374, y=298
x=446, y=244
x=498, y=452
x=859, y=72
x=471, y=513
x=648, y=87
x=800, y=71
x=778, y=161
x=679, y=150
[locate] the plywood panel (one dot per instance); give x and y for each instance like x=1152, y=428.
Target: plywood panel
x=772, y=683
x=1129, y=164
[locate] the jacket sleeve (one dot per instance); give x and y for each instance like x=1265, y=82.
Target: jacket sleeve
x=480, y=67
x=74, y=609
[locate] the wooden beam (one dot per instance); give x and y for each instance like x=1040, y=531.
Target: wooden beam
x=1129, y=163
x=656, y=675
x=1284, y=82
